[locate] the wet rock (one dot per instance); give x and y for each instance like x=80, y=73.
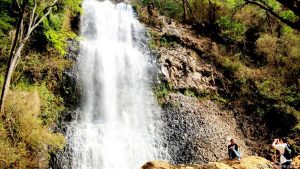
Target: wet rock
x=73, y=49
x=71, y=93
x=199, y=130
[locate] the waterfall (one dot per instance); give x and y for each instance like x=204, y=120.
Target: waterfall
x=118, y=126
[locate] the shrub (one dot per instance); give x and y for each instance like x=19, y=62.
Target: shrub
x=27, y=141
x=283, y=53
x=50, y=105
x=231, y=65
x=189, y=93
x=219, y=98
x=170, y=8
x=161, y=91
x=281, y=118
x=267, y=45
x=231, y=29
x=57, y=31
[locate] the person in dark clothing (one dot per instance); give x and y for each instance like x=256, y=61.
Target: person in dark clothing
x=233, y=150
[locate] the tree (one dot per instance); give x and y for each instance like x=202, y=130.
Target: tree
x=30, y=15
x=187, y=8
x=293, y=5
x=184, y=10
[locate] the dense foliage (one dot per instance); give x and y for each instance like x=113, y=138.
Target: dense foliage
x=258, y=49
x=34, y=103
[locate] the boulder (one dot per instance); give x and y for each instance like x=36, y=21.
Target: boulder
x=250, y=162
x=157, y=165
x=296, y=161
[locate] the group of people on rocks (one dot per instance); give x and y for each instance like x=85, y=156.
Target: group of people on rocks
x=281, y=145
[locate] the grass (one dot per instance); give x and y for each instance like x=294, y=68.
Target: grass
x=161, y=91
x=26, y=139
x=219, y=98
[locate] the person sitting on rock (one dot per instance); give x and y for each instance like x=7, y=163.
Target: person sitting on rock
x=281, y=146
x=233, y=150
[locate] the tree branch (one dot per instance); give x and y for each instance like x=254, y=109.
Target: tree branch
x=190, y=9
x=44, y=16
x=237, y=9
x=18, y=4
x=293, y=5
x=294, y=25
x=32, y=16
x=21, y=34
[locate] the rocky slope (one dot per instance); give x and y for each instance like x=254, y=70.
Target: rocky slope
x=199, y=130
x=199, y=122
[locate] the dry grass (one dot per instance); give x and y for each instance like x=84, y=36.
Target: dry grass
x=26, y=140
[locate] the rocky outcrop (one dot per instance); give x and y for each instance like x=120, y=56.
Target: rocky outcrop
x=184, y=69
x=250, y=162
x=296, y=161
x=198, y=125
x=198, y=130
x=71, y=93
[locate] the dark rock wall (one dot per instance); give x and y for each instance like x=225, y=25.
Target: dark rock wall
x=199, y=131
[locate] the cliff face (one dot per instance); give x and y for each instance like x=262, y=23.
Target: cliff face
x=199, y=121
x=199, y=130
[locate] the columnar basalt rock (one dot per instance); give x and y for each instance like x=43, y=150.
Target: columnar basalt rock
x=199, y=130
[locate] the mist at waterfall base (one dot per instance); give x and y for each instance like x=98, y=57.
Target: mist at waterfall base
x=118, y=124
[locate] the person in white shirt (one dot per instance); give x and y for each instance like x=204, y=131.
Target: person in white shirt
x=280, y=145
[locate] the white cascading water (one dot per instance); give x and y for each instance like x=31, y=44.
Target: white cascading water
x=119, y=121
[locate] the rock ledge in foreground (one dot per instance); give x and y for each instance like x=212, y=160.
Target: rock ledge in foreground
x=250, y=162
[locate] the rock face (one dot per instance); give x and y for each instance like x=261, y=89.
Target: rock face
x=185, y=70
x=199, y=130
x=71, y=93
x=250, y=162
x=296, y=161
x=198, y=127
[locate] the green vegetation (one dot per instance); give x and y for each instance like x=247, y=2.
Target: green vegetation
x=258, y=50
x=161, y=91
x=219, y=98
x=231, y=29
x=24, y=134
x=156, y=41
x=169, y=8
x=34, y=102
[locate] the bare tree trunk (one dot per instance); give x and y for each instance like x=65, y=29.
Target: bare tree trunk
x=8, y=75
x=184, y=11
x=189, y=8
x=12, y=57
x=20, y=39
